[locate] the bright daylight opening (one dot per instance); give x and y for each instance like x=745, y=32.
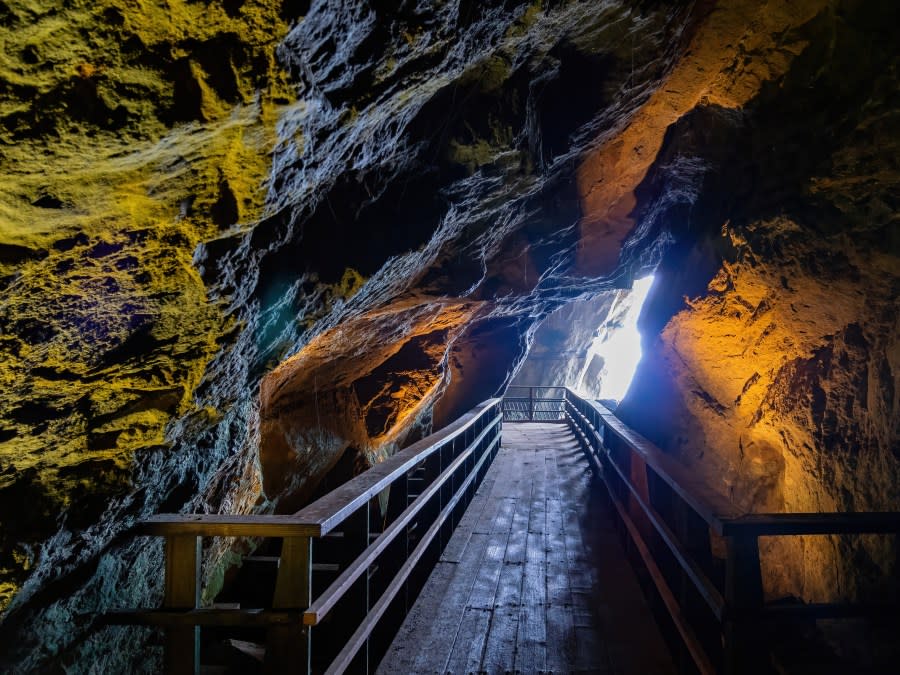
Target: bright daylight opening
x=618, y=343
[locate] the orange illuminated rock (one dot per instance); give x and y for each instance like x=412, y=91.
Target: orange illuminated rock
x=734, y=49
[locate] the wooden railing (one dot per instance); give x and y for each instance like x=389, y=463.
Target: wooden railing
x=670, y=517
x=534, y=404
x=349, y=565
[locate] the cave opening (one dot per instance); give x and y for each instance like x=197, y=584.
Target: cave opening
x=592, y=346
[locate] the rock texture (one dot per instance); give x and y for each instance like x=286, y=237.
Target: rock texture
x=773, y=348
x=129, y=135
x=239, y=240
x=560, y=354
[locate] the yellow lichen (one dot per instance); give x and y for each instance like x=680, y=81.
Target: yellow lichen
x=132, y=131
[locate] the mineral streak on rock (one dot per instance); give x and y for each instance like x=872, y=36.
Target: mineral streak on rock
x=239, y=238
x=130, y=133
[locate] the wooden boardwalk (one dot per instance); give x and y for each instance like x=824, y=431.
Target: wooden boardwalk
x=534, y=579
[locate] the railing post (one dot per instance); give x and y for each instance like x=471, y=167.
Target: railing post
x=531, y=404
x=693, y=532
x=639, y=479
x=743, y=595
x=182, y=651
x=288, y=648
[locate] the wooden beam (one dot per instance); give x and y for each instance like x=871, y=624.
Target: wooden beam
x=182, y=591
x=287, y=646
x=210, y=616
x=779, y=524
x=743, y=593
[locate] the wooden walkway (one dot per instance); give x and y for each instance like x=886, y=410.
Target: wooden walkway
x=534, y=579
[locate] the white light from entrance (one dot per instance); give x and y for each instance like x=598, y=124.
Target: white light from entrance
x=618, y=343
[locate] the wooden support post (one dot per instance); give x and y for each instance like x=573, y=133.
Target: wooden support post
x=743, y=593
x=182, y=651
x=368, y=578
x=288, y=648
x=638, y=476
x=693, y=533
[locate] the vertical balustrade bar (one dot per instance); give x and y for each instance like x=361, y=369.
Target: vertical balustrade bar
x=288, y=648
x=182, y=648
x=369, y=572
x=531, y=404
x=743, y=592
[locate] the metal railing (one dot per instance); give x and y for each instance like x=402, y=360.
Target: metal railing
x=350, y=564
x=534, y=404
x=670, y=517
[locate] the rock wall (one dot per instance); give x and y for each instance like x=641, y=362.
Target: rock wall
x=229, y=221
x=238, y=239
x=773, y=342
x=560, y=352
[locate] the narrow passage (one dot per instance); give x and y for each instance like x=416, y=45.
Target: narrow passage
x=534, y=579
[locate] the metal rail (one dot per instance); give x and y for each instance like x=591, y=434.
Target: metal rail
x=373, y=534
x=716, y=606
x=534, y=404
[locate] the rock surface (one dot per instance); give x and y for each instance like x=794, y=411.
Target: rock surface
x=773, y=348
x=238, y=240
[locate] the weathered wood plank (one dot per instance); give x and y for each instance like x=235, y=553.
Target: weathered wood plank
x=500, y=642
x=182, y=591
x=531, y=636
x=470, y=635
x=432, y=621
x=519, y=612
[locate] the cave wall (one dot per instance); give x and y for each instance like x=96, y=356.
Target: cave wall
x=771, y=347
x=240, y=238
x=228, y=221
x=559, y=355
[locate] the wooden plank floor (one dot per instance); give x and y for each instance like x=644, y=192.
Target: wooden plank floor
x=534, y=579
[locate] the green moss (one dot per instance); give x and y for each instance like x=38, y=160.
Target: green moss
x=131, y=132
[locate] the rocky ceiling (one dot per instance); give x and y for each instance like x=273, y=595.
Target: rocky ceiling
x=241, y=239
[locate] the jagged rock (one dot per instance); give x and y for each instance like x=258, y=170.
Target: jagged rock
x=416, y=186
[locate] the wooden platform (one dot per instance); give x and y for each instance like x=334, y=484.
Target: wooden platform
x=534, y=579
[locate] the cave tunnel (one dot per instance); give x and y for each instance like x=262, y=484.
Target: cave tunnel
x=305, y=304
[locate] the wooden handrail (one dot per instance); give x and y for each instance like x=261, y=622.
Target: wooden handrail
x=709, y=504
x=323, y=515
x=323, y=604
x=784, y=524
x=739, y=607
x=328, y=511
x=704, y=585
x=224, y=525
x=356, y=641
x=458, y=452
